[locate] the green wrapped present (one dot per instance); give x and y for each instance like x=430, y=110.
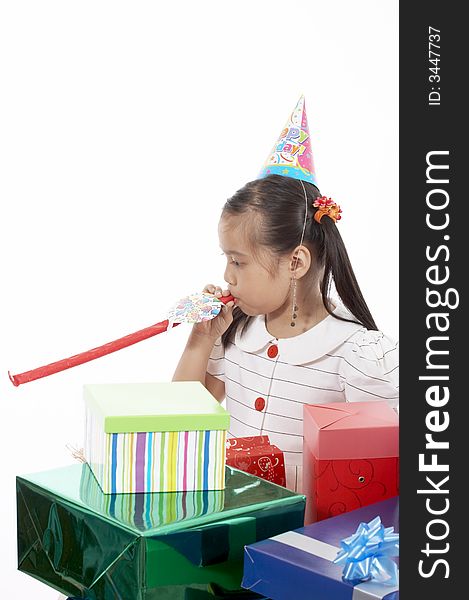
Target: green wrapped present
x=146, y=546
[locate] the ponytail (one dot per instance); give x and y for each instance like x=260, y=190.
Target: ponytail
x=337, y=268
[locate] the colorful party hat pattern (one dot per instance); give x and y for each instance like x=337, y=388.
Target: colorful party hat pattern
x=291, y=155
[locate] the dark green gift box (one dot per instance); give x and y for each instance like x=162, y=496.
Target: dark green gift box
x=145, y=546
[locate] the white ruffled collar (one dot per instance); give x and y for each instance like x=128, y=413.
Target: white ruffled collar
x=305, y=347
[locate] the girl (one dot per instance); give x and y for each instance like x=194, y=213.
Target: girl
x=283, y=343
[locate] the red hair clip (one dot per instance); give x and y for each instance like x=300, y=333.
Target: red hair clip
x=326, y=206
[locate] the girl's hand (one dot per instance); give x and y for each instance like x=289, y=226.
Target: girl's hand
x=216, y=327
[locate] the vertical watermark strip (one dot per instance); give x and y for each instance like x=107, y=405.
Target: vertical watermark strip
x=433, y=163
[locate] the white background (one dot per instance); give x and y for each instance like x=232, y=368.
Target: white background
x=124, y=126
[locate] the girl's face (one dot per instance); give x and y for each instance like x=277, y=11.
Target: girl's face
x=256, y=291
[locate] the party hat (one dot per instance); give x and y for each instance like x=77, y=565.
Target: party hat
x=291, y=155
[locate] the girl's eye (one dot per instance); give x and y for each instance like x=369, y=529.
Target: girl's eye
x=232, y=260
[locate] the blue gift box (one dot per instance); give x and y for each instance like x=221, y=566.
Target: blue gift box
x=298, y=564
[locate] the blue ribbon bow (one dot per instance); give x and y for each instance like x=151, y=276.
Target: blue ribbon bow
x=366, y=554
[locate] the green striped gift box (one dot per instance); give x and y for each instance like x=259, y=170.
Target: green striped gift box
x=155, y=437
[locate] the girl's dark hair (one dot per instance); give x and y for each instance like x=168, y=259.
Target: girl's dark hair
x=277, y=206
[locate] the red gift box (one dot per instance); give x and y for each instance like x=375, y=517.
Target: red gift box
x=350, y=457
x=256, y=455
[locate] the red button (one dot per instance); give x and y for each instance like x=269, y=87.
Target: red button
x=259, y=404
x=272, y=351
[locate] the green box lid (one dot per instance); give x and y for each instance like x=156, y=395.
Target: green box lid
x=138, y=407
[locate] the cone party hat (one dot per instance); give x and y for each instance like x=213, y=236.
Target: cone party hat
x=291, y=155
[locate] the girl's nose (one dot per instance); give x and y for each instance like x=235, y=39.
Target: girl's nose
x=228, y=277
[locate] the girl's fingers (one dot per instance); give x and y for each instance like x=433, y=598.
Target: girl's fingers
x=215, y=290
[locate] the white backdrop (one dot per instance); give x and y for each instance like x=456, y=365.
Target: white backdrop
x=124, y=126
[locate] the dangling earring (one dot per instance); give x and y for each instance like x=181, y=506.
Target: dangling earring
x=294, y=309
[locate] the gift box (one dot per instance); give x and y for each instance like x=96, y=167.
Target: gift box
x=350, y=456
x=256, y=455
x=298, y=564
x=145, y=546
x=155, y=437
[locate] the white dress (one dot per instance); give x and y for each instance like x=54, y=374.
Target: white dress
x=268, y=380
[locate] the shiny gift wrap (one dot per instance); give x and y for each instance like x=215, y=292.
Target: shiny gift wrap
x=155, y=437
x=147, y=546
x=300, y=564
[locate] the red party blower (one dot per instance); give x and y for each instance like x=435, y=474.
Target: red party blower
x=192, y=309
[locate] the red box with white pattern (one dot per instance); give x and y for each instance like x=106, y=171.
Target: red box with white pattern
x=350, y=457
x=256, y=455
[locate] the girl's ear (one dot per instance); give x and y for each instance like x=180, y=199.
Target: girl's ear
x=300, y=261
